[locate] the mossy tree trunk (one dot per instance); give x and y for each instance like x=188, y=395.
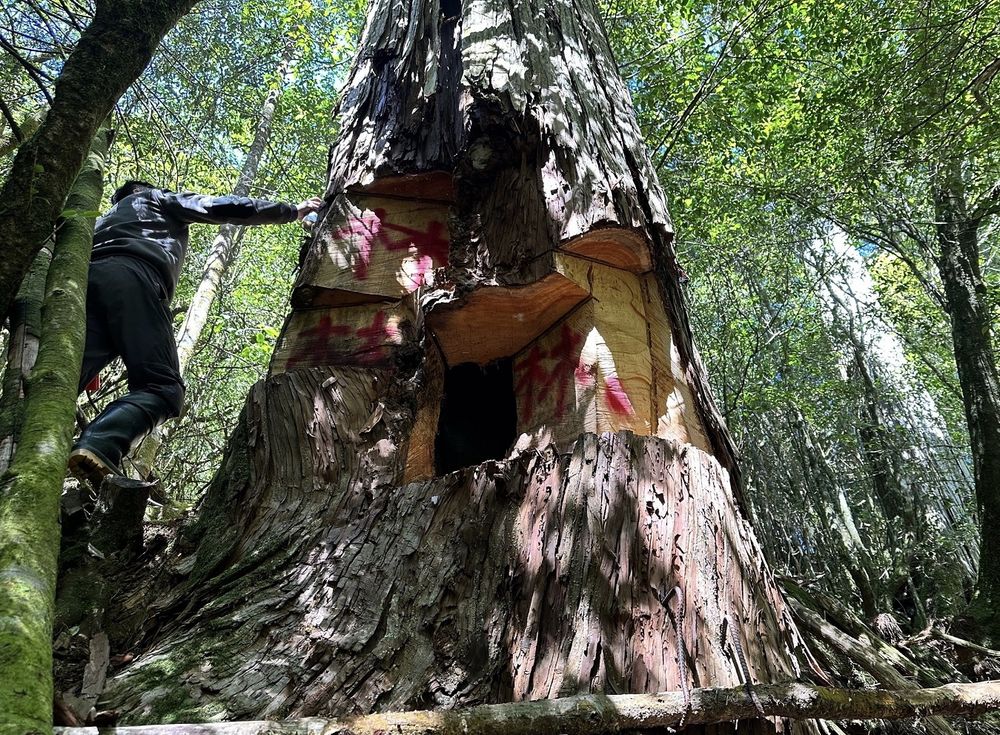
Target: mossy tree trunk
x=492, y=215
x=30, y=488
x=112, y=52
x=10, y=139
x=957, y=226
x=25, y=329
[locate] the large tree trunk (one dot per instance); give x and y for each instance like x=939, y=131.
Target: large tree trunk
x=322, y=587
x=111, y=54
x=494, y=269
x=969, y=312
x=25, y=329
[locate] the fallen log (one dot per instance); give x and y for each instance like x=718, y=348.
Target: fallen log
x=596, y=714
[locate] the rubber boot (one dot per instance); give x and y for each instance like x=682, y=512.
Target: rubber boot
x=102, y=445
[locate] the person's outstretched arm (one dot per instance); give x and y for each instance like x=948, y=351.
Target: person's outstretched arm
x=189, y=207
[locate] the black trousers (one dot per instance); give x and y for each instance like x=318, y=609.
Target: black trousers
x=128, y=316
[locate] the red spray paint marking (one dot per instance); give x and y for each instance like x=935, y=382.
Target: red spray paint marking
x=319, y=344
x=368, y=229
x=316, y=341
x=616, y=397
x=375, y=228
x=585, y=377
x=532, y=374
x=423, y=265
x=536, y=381
x=374, y=337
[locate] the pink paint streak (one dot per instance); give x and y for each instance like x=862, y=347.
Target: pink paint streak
x=374, y=228
x=616, y=397
x=537, y=380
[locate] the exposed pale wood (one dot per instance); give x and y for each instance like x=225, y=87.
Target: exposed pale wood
x=376, y=246
x=95, y=673
x=610, y=365
x=593, y=714
x=420, y=447
x=529, y=112
x=592, y=371
x=526, y=112
x=673, y=401
x=613, y=246
x=495, y=321
x=357, y=335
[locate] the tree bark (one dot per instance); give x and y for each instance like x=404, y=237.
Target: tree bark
x=112, y=51
x=30, y=488
x=969, y=312
x=490, y=209
x=25, y=328
x=318, y=592
x=595, y=714
x=9, y=140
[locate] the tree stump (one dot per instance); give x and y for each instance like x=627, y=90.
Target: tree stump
x=321, y=586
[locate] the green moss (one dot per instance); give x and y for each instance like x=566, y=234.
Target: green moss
x=82, y=594
x=174, y=707
x=29, y=492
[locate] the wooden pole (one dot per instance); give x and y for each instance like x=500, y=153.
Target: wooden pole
x=597, y=714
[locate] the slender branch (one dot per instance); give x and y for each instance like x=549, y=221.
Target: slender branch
x=882, y=235
x=962, y=643
x=594, y=714
x=988, y=205
x=34, y=72
x=14, y=127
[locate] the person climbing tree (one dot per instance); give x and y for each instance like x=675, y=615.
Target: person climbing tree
x=139, y=248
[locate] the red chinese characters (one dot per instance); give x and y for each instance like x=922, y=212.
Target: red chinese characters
x=429, y=246
x=330, y=343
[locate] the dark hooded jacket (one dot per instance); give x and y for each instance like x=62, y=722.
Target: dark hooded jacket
x=152, y=225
